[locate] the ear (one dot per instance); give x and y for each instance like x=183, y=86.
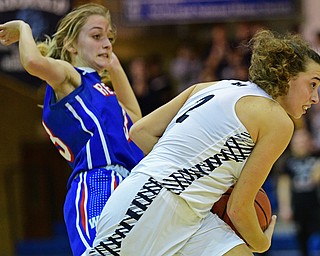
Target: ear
x=70, y=47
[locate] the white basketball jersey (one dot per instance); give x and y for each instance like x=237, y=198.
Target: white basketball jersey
x=205, y=146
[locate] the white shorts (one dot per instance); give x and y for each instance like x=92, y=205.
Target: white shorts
x=165, y=226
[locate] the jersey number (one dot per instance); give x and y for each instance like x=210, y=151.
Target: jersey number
x=125, y=125
x=184, y=116
x=63, y=148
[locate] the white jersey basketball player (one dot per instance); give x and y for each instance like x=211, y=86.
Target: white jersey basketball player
x=210, y=137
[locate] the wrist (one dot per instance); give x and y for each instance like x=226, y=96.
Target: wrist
x=115, y=71
x=23, y=25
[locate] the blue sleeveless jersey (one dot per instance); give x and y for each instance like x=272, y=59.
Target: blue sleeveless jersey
x=89, y=127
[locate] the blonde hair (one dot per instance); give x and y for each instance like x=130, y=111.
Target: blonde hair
x=277, y=59
x=68, y=31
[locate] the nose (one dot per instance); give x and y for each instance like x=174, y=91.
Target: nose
x=315, y=97
x=106, y=43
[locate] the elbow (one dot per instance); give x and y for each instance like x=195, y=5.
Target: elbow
x=234, y=213
x=134, y=131
x=136, y=117
x=134, y=114
x=139, y=136
x=31, y=64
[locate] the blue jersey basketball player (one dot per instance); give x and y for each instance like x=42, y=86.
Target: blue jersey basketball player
x=86, y=120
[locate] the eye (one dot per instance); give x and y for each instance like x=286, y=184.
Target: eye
x=111, y=36
x=315, y=85
x=97, y=36
x=111, y=39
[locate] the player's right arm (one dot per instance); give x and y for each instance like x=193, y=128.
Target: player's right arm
x=147, y=131
x=271, y=129
x=57, y=73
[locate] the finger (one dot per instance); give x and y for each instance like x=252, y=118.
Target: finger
x=269, y=231
x=273, y=221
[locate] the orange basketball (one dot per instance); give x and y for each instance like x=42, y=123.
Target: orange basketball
x=261, y=204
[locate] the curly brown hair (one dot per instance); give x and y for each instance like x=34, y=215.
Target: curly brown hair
x=276, y=59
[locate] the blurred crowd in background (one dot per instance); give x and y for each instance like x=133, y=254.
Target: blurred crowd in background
x=155, y=80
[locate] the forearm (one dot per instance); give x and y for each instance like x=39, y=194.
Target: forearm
x=28, y=50
x=144, y=140
x=246, y=222
x=124, y=92
x=147, y=131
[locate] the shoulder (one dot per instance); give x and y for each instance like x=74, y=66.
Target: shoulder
x=70, y=79
x=262, y=115
x=250, y=87
x=198, y=87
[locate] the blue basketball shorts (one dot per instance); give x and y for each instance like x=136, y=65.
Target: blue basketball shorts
x=87, y=195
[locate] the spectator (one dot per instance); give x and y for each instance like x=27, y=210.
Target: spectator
x=138, y=77
x=185, y=67
x=159, y=82
x=215, y=57
x=298, y=200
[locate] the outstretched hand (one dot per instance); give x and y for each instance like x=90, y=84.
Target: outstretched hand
x=10, y=32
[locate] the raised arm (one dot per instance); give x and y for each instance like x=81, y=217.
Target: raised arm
x=55, y=72
x=123, y=89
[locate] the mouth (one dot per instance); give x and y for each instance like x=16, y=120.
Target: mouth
x=104, y=55
x=305, y=108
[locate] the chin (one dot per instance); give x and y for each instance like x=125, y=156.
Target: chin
x=296, y=116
